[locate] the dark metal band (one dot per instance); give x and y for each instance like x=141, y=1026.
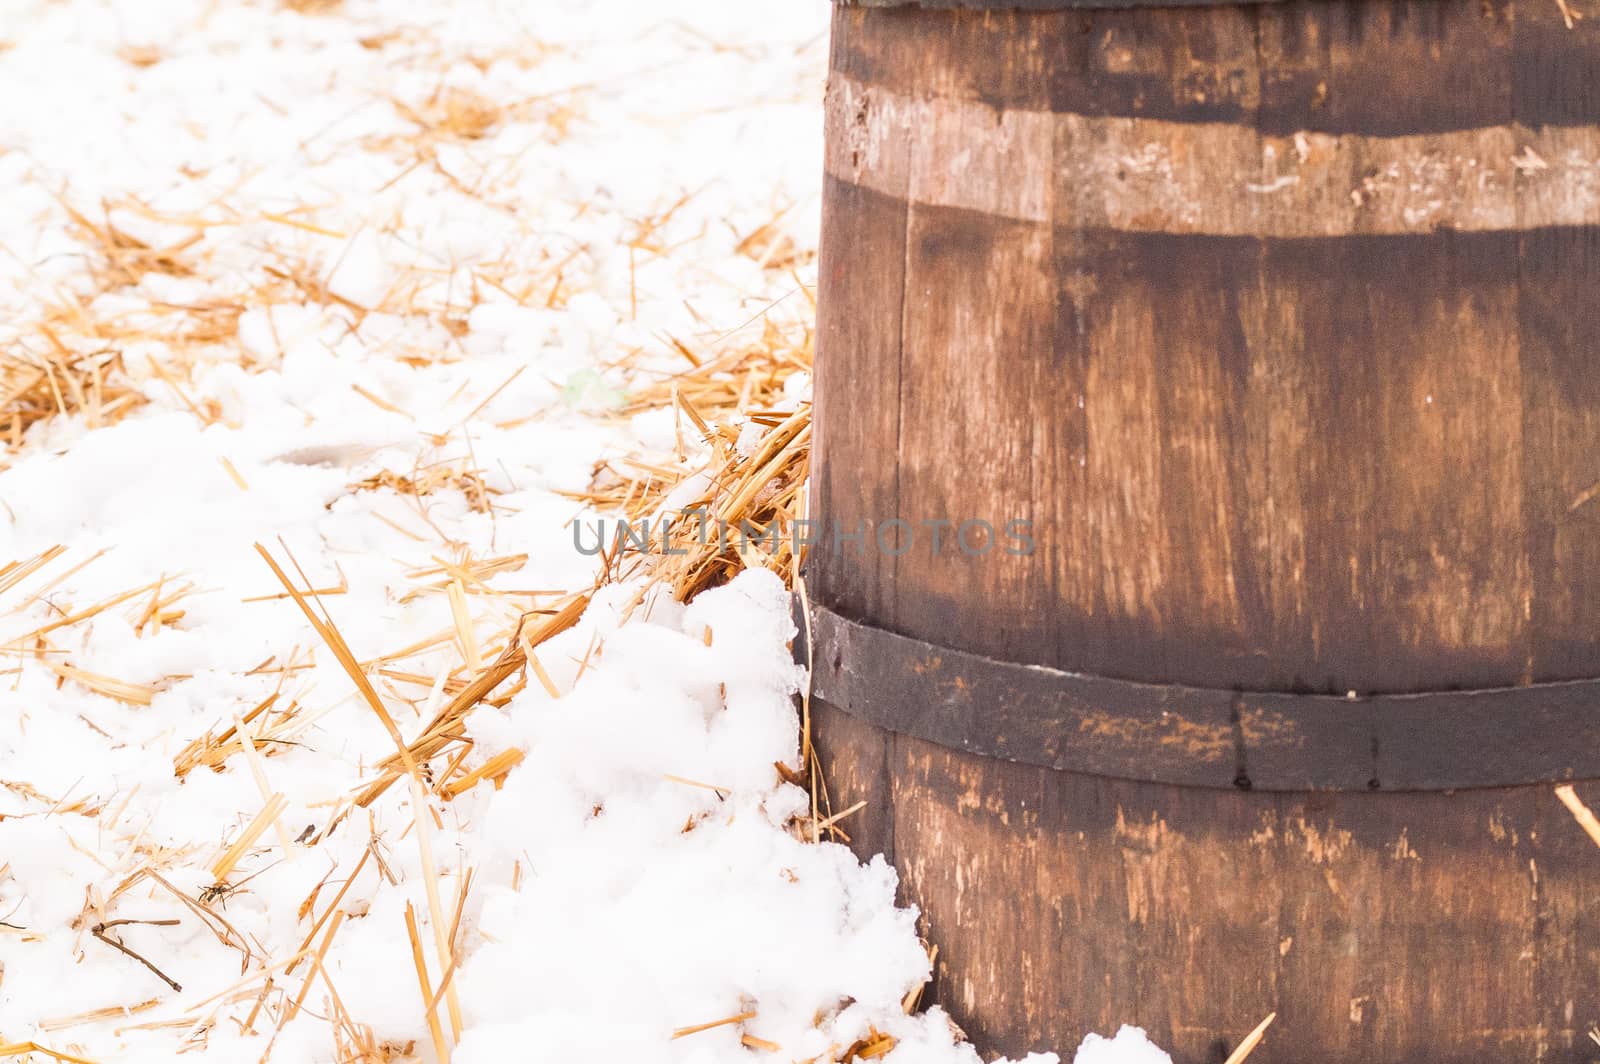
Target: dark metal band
x=1198, y=737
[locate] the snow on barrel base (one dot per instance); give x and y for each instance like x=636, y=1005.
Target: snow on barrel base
x=640, y=875
x=1130, y=1046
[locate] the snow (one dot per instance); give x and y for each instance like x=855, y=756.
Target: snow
x=1130, y=1045
x=406, y=230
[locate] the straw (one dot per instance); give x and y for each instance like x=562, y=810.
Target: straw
x=1251, y=1040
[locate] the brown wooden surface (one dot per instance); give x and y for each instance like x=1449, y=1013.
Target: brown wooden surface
x=1280, y=324
x=1237, y=424
x=1423, y=927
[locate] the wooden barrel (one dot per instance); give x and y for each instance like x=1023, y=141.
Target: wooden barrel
x=1261, y=346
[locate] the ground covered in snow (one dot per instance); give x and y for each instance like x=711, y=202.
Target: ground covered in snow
x=355, y=297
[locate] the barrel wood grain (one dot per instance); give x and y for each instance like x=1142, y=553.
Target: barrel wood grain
x=1279, y=324
x=1237, y=315
x=861, y=319
x=1440, y=927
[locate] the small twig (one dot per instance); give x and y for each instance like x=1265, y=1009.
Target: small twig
x=99, y=931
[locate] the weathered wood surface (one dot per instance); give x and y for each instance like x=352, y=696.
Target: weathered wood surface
x=1228, y=412
x=1280, y=325
x=1424, y=927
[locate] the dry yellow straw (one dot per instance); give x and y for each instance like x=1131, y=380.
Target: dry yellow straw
x=17, y=1049
x=110, y=1012
x=495, y=767
x=1251, y=1040
x=457, y=592
x=440, y=1047
x=253, y=831
x=134, y=694
x=341, y=650
x=697, y=1028
x=1580, y=812
x=13, y=573
x=234, y=475
x=258, y=770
